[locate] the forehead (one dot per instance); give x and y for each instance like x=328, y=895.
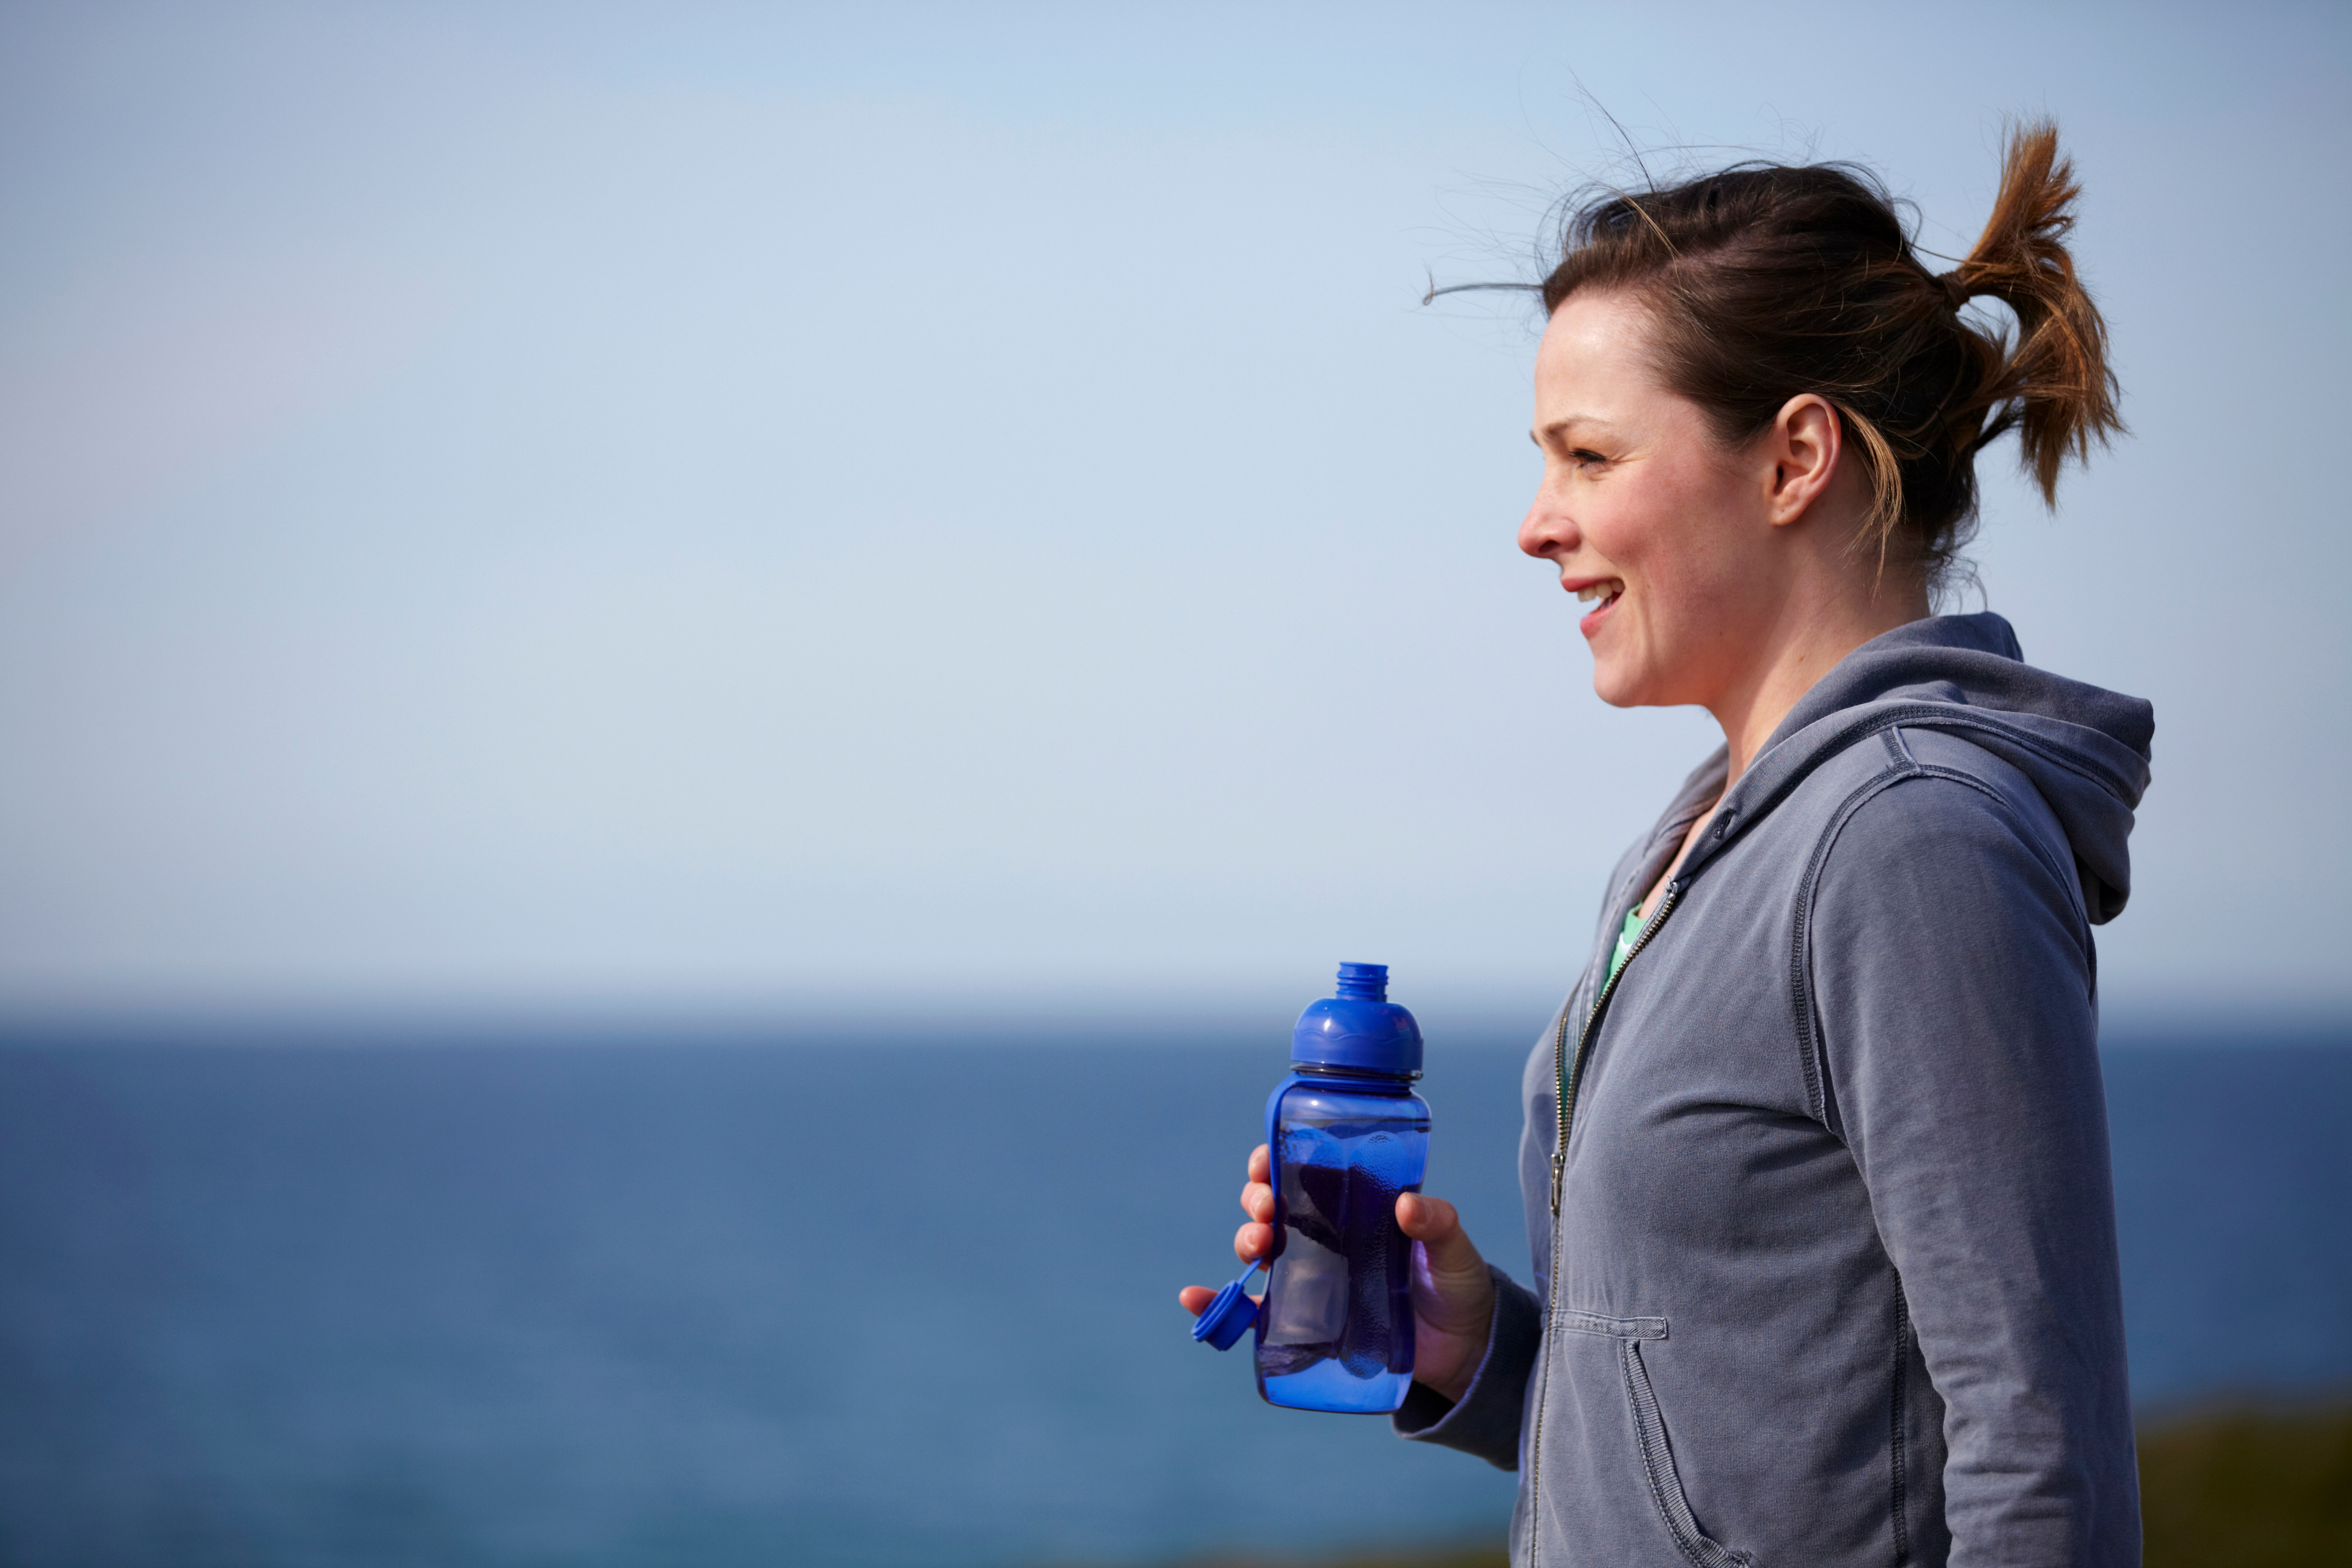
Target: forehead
x=1595, y=355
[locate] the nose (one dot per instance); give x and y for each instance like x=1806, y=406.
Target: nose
x=1548, y=532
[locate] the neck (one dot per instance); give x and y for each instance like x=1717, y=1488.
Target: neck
x=1802, y=644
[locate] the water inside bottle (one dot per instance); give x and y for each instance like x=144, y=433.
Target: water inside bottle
x=1340, y=1336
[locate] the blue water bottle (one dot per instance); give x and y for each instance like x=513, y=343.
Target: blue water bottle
x=1346, y=1134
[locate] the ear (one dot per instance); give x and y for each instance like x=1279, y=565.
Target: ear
x=1803, y=445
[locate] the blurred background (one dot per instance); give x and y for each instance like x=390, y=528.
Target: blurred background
x=686, y=693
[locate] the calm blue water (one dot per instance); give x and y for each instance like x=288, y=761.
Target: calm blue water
x=666, y=1303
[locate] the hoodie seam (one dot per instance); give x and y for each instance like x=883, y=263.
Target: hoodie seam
x=1898, y=1474
x=1950, y=716
x=2068, y=877
x=1812, y=1045
x=1807, y=1018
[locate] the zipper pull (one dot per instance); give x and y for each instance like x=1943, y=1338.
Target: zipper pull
x=1558, y=1168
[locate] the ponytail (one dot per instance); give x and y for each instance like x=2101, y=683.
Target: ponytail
x=2054, y=385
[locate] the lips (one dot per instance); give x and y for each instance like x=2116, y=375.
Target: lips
x=1603, y=593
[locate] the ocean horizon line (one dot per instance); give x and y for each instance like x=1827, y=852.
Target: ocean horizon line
x=1090, y=1018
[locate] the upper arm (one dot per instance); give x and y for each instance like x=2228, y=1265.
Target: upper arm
x=1946, y=954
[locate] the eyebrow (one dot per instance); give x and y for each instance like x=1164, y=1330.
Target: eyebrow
x=1556, y=426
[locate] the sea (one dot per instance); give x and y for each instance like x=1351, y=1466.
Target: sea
x=849, y=1298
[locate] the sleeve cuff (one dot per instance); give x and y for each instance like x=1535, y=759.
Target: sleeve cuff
x=1486, y=1420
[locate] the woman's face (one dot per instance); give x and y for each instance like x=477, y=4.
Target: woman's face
x=1652, y=521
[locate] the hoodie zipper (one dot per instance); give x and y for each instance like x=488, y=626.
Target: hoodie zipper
x=1566, y=1072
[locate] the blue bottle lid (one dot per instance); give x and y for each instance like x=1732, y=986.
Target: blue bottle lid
x=1359, y=1029
x=1224, y=1320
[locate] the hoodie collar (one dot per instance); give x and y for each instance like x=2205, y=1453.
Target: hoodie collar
x=2085, y=749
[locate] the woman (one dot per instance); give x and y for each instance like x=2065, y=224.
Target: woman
x=1815, y=1158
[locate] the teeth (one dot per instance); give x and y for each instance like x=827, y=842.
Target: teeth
x=1608, y=590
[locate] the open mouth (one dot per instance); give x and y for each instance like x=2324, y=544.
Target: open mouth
x=1605, y=594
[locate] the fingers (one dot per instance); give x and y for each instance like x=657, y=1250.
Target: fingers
x=1252, y=1241
x=1195, y=1299
x=1257, y=1197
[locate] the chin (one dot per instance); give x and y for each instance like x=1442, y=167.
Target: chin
x=1615, y=690
x=1620, y=676
x=1621, y=687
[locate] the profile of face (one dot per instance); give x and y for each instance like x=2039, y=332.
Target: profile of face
x=1691, y=555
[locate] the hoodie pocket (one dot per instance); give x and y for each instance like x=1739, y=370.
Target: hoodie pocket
x=1650, y=1429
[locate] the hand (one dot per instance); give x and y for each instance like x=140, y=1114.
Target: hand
x=1452, y=1293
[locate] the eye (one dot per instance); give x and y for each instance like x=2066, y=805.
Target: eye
x=1585, y=458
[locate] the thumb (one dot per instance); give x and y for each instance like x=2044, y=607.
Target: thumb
x=1433, y=1223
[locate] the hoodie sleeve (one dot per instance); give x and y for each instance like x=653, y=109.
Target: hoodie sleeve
x=1485, y=1421
x=1951, y=979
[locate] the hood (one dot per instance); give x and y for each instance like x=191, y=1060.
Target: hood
x=2085, y=749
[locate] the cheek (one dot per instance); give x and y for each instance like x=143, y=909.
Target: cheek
x=1647, y=533
x=1672, y=542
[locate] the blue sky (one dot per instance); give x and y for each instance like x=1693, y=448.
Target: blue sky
x=752, y=508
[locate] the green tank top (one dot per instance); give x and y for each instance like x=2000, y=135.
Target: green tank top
x=1625, y=940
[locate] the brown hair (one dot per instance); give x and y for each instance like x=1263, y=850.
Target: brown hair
x=1767, y=280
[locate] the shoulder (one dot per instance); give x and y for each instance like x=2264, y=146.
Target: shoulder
x=1944, y=829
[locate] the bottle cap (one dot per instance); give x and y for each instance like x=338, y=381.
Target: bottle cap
x=1224, y=1320
x=1359, y=1029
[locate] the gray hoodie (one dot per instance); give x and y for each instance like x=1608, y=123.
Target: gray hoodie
x=1830, y=1279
